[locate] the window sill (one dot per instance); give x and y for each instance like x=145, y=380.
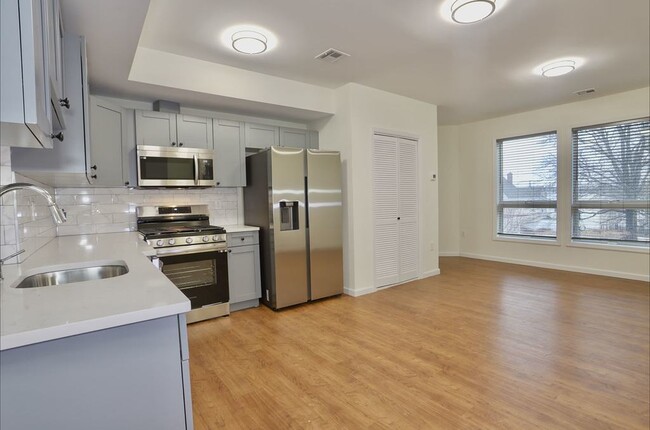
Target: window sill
x=642, y=249
x=529, y=240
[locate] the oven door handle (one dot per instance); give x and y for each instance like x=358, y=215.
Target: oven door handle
x=196, y=169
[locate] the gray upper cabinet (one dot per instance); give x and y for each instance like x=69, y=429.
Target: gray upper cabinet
x=194, y=131
x=170, y=129
x=293, y=137
x=312, y=139
x=69, y=162
x=155, y=128
x=55, y=45
x=229, y=153
x=261, y=136
x=107, y=137
x=30, y=111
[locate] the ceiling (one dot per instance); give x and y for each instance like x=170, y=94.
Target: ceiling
x=471, y=72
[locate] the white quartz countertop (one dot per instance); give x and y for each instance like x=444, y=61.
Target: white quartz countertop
x=32, y=315
x=240, y=228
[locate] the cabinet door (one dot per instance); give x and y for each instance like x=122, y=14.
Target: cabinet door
x=107, y=135
x=155, y=128
x=229, y=153
x=244, y=273
x=261, y=136
x=293, y=138
x=54, y=28
x=312, y=140
x=194, y=131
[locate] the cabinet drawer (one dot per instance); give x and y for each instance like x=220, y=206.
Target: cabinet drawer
x=242, y=238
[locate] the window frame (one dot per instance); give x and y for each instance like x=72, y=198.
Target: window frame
x=499, y=205
x=610, y=244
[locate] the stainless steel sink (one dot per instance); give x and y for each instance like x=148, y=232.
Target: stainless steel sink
x=68, y=276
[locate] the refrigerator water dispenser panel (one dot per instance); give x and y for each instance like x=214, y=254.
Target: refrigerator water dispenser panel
x=289, y=215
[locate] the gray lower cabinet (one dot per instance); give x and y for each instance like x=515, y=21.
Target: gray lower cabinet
x=229, y=153
x=261, y=136
x=244, y=277
x=129, y=377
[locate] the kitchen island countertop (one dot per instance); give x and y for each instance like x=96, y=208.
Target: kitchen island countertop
x=33, y=315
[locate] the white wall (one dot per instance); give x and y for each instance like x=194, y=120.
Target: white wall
x=156, y=67
x=449, y=190
x=360, y=110
x=476, y=179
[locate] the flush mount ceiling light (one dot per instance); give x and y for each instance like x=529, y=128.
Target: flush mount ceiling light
x=558, y=68
x=470, y=11
x=249, y=42
x=248, y=39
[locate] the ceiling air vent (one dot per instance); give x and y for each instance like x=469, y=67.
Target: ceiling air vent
x=584, y=92
x=331, y=55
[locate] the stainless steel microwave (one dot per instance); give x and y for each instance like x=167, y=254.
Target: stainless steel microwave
x=160, y=166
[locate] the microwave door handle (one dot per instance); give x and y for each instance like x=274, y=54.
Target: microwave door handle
x=196, y=170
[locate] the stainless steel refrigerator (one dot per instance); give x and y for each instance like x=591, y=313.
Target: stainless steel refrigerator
x=294, y=196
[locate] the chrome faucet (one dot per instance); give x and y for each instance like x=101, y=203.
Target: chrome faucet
x=57, y=213
x=8, y=257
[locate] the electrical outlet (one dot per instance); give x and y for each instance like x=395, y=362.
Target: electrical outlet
x=432, y=246
x=462, y=234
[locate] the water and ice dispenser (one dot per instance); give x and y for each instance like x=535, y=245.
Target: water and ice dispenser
x=289, y=215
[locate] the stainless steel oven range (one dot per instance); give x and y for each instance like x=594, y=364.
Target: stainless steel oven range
x=193, y=254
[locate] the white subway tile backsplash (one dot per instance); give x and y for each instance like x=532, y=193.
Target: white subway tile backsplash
x=105, y=210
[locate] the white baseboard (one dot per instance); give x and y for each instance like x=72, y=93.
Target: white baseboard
x=449, y=254
x=359, y=292
x=589, y=270
x=430, y=273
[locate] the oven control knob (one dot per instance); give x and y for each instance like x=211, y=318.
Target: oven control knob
x=205, y=238
x=171, y=241
x=160, y=242
x=189, y=240
x=215, y=238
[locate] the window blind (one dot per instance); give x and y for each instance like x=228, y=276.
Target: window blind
x=611, y=182
x=527, y=185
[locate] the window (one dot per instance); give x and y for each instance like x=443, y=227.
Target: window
x=611, y=182
x=527, y=186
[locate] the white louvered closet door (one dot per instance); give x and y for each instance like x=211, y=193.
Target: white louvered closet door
x=385, y=208
x=395, y=209
x=407, y=191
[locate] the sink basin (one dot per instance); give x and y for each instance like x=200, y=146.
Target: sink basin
x=68, y=276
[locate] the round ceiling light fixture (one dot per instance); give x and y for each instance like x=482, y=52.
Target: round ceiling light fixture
x=249, y=42
x=558, y=68
x=471, y=11
x=248, y=39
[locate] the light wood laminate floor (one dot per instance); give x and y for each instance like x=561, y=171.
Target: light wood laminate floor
x=482, y=346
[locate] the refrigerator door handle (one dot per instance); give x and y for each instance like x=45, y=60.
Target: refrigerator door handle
x=306, y=202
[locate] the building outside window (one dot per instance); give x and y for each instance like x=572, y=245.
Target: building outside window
x=611, y=183
x=527, y=186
